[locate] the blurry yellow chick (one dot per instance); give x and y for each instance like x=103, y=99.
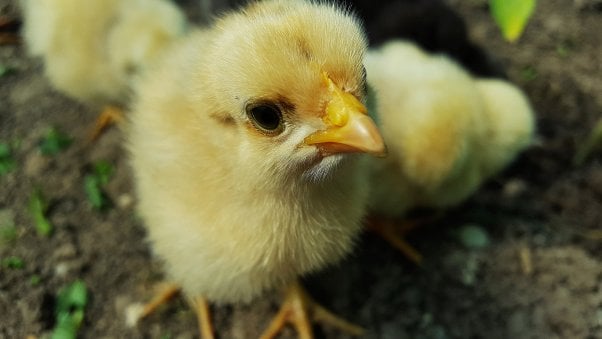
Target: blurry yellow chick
x=242, y=145
x=93, y=49
x=446, y=132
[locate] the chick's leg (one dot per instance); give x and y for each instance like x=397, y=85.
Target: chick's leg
x=297, y=309
x=165, y=294
x=110, y=115
x=204, y=318
x=395, y=233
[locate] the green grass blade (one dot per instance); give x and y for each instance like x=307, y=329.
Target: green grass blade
x=37, y=209
x=512, y=16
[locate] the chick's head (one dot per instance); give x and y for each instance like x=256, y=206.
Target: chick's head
x=287, y=79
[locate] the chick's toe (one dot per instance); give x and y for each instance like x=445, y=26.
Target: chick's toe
x=300, y=309
x=110, y=115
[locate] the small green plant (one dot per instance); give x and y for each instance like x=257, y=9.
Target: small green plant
x=565, y=48
x=6, y=70
x=54, y=142
x=38, y=208
x=103, y=171
x=35, y=280
x=529, y=73
x=69, y=311
x=13, y=262
x=511, y=16
x=94, y=182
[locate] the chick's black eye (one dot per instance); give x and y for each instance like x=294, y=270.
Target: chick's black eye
x=266, y=117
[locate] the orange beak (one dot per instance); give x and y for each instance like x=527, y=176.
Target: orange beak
x=349, y=129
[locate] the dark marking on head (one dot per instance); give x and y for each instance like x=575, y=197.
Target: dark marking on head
x=285, y=104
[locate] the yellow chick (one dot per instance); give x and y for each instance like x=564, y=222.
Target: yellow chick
x=446, y=132
x=92, y=50
x=242, y=145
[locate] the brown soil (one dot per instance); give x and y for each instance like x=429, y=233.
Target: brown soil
x=542, y=208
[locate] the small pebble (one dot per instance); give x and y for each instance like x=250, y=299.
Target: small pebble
x=125, y=201
x=61, y=269
x=514, y=188
x=133, y=313
x=36, y=164
x=473, y=236
x=66, y=251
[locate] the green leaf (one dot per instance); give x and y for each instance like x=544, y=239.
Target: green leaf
x=93, y=184
x=512, y=16
x=35, y=280
x=65, y=329
x=54, y=142
x=70, y=305
x=565, y=48
x=103, y=171
x=37, y=208
x=67, y=325
x=6, y=70
x=7, y=163
x=4, y=150
x=93, y=191
x=529, y=73
x=72, y=297
x=13, y=262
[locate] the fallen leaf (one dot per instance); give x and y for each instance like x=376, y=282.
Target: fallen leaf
x=512, y=16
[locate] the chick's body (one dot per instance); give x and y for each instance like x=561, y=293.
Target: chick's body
x=92, y=49
x=446, y=131
x=231, y=209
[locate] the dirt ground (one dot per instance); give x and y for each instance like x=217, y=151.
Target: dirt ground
x=538, y=276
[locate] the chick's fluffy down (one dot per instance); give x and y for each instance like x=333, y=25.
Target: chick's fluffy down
x=446, y=132
x=91, y=49
x=230, y=210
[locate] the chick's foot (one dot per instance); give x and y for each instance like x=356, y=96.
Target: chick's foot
x=109, y=116
x=395, y=232
x=138, y=312
x=204, y=318
x=165, y=294
x=297, y=309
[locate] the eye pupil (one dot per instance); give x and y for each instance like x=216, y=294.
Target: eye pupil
x=266, y=117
